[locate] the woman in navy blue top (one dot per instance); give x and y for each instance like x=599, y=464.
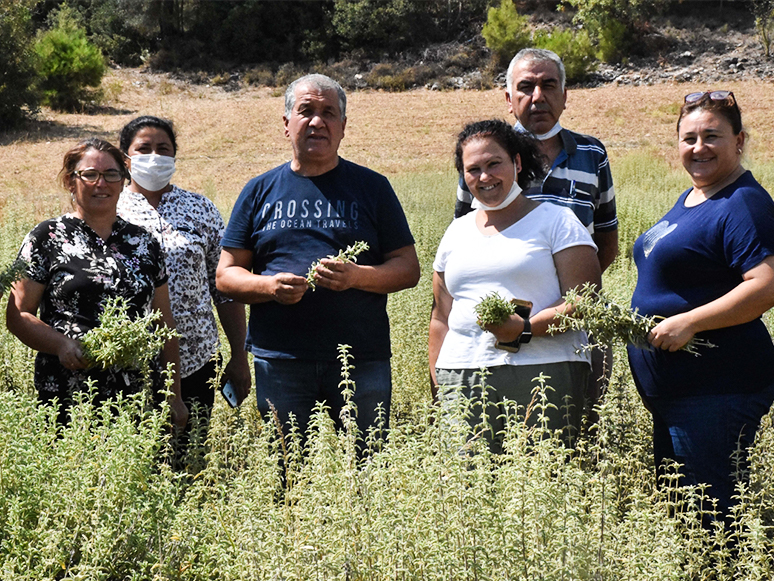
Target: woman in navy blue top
x=708, y=267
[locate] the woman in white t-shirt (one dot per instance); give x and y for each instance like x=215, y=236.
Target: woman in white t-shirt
x=520, y=249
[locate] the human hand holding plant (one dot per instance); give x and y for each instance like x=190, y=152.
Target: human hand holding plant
x=122, y=342
x=673, y=333
x=607, y=321
x=288, y=288
x=337, y=272
x=498, y=316
x=71, y=354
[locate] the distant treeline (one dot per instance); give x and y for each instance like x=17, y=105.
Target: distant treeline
x=205, y=33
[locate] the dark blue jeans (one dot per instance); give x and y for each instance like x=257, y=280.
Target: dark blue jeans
x=704, y=432
x=296, y=385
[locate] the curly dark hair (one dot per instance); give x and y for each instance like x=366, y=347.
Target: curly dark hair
x=513, y=142
x=75, y=155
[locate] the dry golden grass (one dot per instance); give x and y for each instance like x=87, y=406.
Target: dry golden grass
x=227, y=138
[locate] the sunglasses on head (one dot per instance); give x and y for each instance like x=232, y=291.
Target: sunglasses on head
x=713, y=95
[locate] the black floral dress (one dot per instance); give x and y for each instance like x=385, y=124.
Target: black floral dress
x=80, y=271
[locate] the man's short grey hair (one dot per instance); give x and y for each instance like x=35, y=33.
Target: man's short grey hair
x=535, y=54
x=320, y=83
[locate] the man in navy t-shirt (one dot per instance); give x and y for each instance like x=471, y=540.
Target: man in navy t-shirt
x=293, y=215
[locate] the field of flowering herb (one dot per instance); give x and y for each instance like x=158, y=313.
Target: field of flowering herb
x=103, y=498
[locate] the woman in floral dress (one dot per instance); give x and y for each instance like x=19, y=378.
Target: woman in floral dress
x=76, y=262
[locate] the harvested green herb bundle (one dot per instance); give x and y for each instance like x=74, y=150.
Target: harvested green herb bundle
x=607, y=321
x=493, y=310
x=349, y=255
x=13, y=272
x=124, y=342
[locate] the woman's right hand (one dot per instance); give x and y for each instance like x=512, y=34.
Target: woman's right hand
x=71, y=355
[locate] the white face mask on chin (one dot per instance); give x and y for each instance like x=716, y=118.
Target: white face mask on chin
x=543, y=136
x=151, y=171
x=513, y=193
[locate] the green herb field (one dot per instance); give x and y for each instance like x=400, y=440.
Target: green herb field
x=100, y=501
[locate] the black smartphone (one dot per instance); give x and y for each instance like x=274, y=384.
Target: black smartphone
x=229, y=394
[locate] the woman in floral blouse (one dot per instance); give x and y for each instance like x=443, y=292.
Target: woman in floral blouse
x=189, y=228
x=78, y=261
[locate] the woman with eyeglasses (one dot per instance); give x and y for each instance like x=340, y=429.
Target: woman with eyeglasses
x=707, y=267
x=189, y=228
x=76, y=262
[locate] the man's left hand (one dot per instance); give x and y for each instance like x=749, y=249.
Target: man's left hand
x=336, y=275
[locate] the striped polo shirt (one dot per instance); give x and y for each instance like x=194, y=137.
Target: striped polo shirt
x=579, y=179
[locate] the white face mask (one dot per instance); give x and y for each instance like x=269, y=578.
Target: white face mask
x=509, y=199
x=543, y=136
x=513, y=193
x=151, y=171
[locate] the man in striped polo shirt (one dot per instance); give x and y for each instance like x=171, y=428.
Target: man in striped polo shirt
x=579, y=176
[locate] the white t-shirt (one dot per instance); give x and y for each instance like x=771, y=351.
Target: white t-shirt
x=516, y=263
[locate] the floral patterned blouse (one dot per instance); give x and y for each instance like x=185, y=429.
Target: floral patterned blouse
x=189, y=228
x=80, y=271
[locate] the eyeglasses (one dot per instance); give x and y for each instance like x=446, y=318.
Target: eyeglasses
x=713, y=95
x=91, y=176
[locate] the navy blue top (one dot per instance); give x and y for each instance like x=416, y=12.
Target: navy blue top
x=691, y=257
x=290, y=221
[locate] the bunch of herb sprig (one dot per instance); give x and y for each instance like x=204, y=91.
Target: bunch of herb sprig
x=607, y=321
x=493, y=310
x=13, y=272
x=350, y=254
x=123, y=342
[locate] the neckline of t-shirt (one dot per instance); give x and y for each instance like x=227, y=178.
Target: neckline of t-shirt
x=713, y=196
x=501, y=232
x=322, y=175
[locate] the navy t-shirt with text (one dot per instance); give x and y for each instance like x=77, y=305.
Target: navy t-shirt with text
x=290, y=221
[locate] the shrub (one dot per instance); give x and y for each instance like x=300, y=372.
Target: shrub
x=220, y=80
x=506, y=32
x=573, y=47
x=261, y=76
x=117, y=28
x=17, y=63
x=604, y=19
x=68, y=64
x=391, y=78
x=611, y=41
x=346, y=71
x=286, y=74
x=381, y=25
x=763, y=11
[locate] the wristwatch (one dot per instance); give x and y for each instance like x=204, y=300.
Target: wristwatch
x=526, y=334
x=523, y=339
